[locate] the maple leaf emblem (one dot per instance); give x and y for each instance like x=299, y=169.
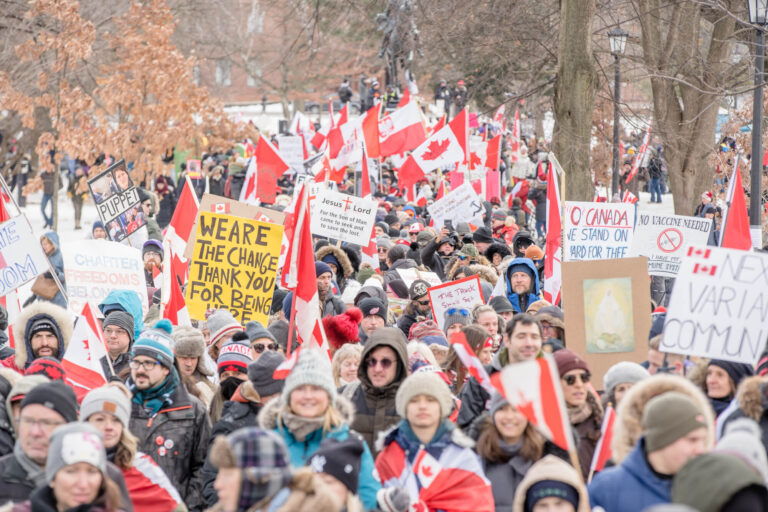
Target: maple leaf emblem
x=426, y=471
x=435, y=149
x=474, y=160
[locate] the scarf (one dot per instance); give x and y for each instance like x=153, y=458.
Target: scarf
x=579, y=413
x=299, y=426
x=35, y=473
x=154, y=399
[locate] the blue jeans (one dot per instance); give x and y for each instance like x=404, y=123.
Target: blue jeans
x=541, y=227
x=655, y=188
x=47, y=198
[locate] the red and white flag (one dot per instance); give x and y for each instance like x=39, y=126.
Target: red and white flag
x=470, y=360
x=401, y=131
x=365, y=178
x=514, y=143
x=603, y=452
x=82, y=359
x=640, y=155
x=533, y=388
x=405, y=99
x=284, y=368
x=183, y=220
x=248, y=192
x=628, y=197
x=157, y=277
x=220, y=208
x=171, y=298
x=485, y=154
x=735, y=231
x=553, y=249
x=4, y=201
x=498, y=118
x=270, y=166
x=10, y=301
x=370, y=128
x=426, y=468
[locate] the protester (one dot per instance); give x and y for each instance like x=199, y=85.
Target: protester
x=551, y=485
x=751, y=403
x=260, y=338
x=482, y=346
x=374, y=316
x=118, y=334
x=330, y=305
x=232, y=369
x=41, y=329
x=345, y=363
x=503, y=307
x=619, y=379
x=418, y=309
x=338, y=465
x=152, y=255
x=222, y=326
x=553, y=321
x=436, y=253
x=722, y=380
x=188, y=349
x=521, y=284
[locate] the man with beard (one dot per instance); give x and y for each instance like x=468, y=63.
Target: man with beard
x=152, y=254
x=171, y=425
x=232, y=365
x=41, y=329
x=418, y=309
x=330, y=305
x=521, y=284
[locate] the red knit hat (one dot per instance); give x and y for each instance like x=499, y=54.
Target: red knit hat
x=568, y=360
x=343, y=328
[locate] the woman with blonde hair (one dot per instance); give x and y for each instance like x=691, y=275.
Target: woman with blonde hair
x=345, y=362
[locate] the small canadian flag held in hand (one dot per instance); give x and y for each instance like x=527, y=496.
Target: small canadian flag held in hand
x=699, y=253
x=220, y=208
x=705, y=269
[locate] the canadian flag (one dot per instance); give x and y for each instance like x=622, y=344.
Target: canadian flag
x=603, y=451
x=172, y=300
x=640, y=155
x=183, y=220
x=248, y=192
x=320, y=136
x=424, y=194
x=498, y=118
x=284, y=368
x=533, y=388
x=370, y=253
x=82, y=359
x=365, y=177
x=335, y=137
x=628, y=197
x=401, y=131
x=470, y=360
x=554, y=244
x=735, y=232
x=349, y=147
x=485, y=154
x=438, y=126
x=426, y=468
x=269, y=166
x=514, y=143
x=370, y=129
x=220, y=208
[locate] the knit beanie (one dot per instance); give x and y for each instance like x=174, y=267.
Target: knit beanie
x=188, y=342
x=235, y=355
x=256, y=331
x=56, y=396
x=122, y=320
x=550, y=489
x=261, y=370
x=277, y=300
x=156, y=343
x=312, y=368
x=322, y=268
x=340, y=459
x=152, y=246
x=343, y=328
x=424, y=237
x=736, y=371
x=624, y=372
x=469, y=251
x=456, y=316
x=568, y=360
x=73, y=443
x=496, y=402
x=106, y=399
x=47, y=366
x=742, y=437
x=386, y=243
x=220, y=323
x=499, y=215
x=424, y=383
x=418, y=289
x=534, y=252
x=483, y=234
x=424, y=328
x=373, y=306
x=501, y=304
x=668, y=417
x=97, y=224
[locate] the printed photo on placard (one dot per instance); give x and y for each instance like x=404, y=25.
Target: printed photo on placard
x=123, y=179
x=116, y=231
x=103, y=187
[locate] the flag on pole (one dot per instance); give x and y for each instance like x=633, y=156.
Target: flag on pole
x=269, y=167
x=284, y=368
x=370, y=129
x=603, y=451
x=554, y=243
x=628, y=197
x=735, y=231
x=470, y=360
x=640, y=155
x=171, y=298
x=183, y=220
x=498, y=118
x=514, y=143
x=401, y=131
x=4, y=213
x=365, y=178
x=82, y=359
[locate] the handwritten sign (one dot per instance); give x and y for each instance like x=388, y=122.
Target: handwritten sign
x=597, y=231
x=343, y=217
x=664, y=239
x=719, y=305
x=463, y=293
x=117, y=202
x=461, y=204
x=21, y=257
x=234, y=264
x=93, y=268
x=409, y=275
x=291, y=148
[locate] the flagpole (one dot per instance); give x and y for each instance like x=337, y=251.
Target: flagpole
x=291, y=325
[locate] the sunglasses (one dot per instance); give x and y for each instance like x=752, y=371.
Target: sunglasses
x=383, y=249
x=462, y=257
x=385, y=363
x=571, y=379
x=457, y=311
x=258, y=348
x=423, y=302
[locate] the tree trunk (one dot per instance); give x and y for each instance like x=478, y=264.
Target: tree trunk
x=575, y=96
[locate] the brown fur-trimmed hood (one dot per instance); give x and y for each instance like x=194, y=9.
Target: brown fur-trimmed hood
x=346, y=265
x=59, y=315
x=750, y=397
x=270, y=412
x=452, y=267
x=628, y=427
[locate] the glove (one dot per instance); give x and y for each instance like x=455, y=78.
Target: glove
x=393, y=499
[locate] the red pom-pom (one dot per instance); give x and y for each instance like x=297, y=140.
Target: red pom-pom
x=343, y=328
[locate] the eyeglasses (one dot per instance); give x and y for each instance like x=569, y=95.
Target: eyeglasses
x=457, y=311
x=44, y=424
x=571, y=379
x=423, y=302
x=147, y=365
x=385, y=363
x=117, y=331
x=259, y=348
x=383, y=249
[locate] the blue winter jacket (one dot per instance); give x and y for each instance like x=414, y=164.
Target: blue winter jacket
x=129, y=301
x=514, y=298
x=640, y=486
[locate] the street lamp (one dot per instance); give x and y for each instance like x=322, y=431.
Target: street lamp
x=757, y=16
x=617, y=39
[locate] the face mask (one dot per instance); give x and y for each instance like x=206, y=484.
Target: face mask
x=229, y=386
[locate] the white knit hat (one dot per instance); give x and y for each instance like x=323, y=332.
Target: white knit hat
x=106, y=399
x=424, y=383
x=623, y=372
x=313, y=368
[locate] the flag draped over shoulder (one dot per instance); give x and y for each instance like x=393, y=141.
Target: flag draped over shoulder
x=82, y=359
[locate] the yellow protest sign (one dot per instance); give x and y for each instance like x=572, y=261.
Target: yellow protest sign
x=234, y=266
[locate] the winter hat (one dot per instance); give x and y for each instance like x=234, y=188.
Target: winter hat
x=43, y=323
x=152, y=246
x=736, y=371
x=261, y=370
x=668, y=417
x=73, y=443
x=624, y=372
x=424, y=383
x=568, y=360
x=456, y=316
x=256, y=331
x=220, y=323
x=424, y=237
x=156, y=343
x=424, y=328
x=343, y=328
x=462, y=228
x=501, y=304
x=418, y=289
x=20, y=389
x=550, y=489
x=520, y=267
x=48, y=367
x=386, y=243
x=534, y=252
x=188, y=341
x=97, y=224
x=122, y=320
x=439, y=341
x=383, y=225
x=331, y=259
x=312, y=368
x=56, y=396
x=277, y=300
x=499, y=215
x=322, y=268
x=106, y=399
x=483, y=235
x=496, y=402
x=235, y=355
x=391, y=219
x=263, y=457
x=742, y=437
x=340, y=459
x=373, y=306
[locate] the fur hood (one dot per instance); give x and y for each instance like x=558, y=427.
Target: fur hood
x=341, y=256
x=270, y=412
x=628, y=427
x=458, y=438
x=551, y=468
x=452, y=267
x=58, y=314
x=553, y=315
x=750, y=397
x=485, y=272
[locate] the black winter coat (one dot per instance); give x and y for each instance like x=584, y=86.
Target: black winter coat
x=432, y=259
x=539, y=196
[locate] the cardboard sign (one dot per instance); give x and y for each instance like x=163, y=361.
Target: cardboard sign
x=209, y=202
x=21, y=257
x=93, y=268
x=343, y=217
x=194, y=169
x=461, y=204
x=409, y=275
x=234, y=264
x=597, y=231
x=606, y=305
x=663, y=239
x=291, y=149
x=117, y=201
x=462, y=294
x=719, y=305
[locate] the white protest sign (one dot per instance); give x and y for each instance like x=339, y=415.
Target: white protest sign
x=597, y=231
x=343, y=217
x=21, y=257
x=93, y=268
x=664, y=239
x=461, y=294
x=409, y=275
x=719, y=305
x=459, y=205
x=292, y=150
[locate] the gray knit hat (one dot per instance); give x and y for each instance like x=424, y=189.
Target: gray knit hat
x=73, y=443
x=455, y=316
x=623, y=372
x=424, y=383
x=122, y=320
x=106, y=399
x=668, y=417
x=424, y=237
x=496, y=402
x=313, y=368
x=220, y=323
x=260, y=373
x=256, y=331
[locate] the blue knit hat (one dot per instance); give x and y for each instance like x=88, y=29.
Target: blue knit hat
x=156, y=343
x=321, y=268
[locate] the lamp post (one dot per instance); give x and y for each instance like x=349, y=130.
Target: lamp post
x=618, y=42
x=757, y=16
